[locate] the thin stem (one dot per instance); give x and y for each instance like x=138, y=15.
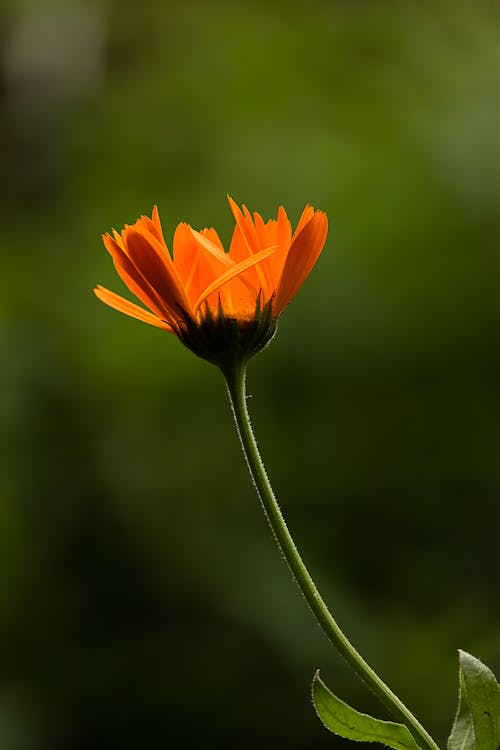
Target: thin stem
x=235, y=380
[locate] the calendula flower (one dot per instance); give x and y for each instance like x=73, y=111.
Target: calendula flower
x=222, y=305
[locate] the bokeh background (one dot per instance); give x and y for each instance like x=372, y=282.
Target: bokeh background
x=142, y=601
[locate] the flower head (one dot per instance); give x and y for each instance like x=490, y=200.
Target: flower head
x=222, y=305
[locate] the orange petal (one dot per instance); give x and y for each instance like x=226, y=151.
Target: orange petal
x=146, y=252
x=118, y=239
x=124, y=306
x=303, y=254
x=265, y=236
x=212, y=235
x=145, y=224
x=306, y=216
x=234, y=272
x=186, y=251
x=212, y=248
x=280, y=233
x=197, y=268
x=133, y=278
x=157, y=224
x=252, y=244
x=246, y=226
x=246, y=286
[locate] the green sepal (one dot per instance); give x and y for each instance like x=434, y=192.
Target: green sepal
x=226, y=341
x=477, y=721
x=345, y=721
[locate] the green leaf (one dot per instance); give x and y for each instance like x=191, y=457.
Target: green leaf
x=345, y=721
x=477, y=722
x=462, y=735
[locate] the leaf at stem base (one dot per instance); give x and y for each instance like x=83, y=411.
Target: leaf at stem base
x=477, y=722
x=345, y=721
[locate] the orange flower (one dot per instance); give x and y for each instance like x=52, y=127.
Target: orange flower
x=219, y=304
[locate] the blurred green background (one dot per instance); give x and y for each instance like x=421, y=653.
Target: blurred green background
x=142, y=601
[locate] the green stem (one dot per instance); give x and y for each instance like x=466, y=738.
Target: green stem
x=235, y=380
